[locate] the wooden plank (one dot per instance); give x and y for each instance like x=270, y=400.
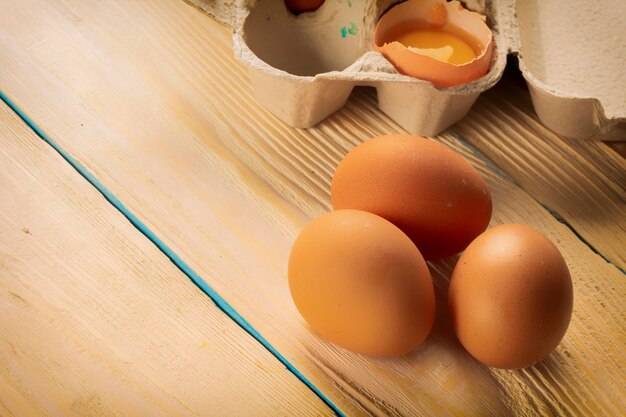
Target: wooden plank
x=164, y=117
x=582, y=182
x=95, y=320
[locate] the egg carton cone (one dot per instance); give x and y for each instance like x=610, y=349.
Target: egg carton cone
x=303, y=67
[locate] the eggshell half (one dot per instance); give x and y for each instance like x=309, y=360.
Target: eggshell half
x=447, y=16
x=510, y=297
x=361, y=283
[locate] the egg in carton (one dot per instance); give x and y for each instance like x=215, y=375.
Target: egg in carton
x=303, y=67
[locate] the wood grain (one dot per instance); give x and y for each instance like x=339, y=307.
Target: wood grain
x=618, y=147
x=582, y=182
x=95, y=321
x=164, y=116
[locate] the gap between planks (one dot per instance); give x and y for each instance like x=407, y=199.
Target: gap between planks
x=96, y=321
x=220, y=302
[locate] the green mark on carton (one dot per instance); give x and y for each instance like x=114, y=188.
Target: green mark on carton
x=350, y=30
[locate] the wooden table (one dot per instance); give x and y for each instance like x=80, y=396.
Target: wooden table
x=135, y=164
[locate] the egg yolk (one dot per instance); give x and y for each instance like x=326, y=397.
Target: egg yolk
x=443, y=46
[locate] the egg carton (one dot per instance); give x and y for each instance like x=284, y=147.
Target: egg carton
x=303, y=68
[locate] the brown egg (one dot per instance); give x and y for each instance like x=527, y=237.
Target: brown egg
x=362, y=284
x=429, y=191
x=301, y=6
x=435, y=40
x=510, y=297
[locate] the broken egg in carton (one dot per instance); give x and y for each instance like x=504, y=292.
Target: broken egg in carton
x=304, y=66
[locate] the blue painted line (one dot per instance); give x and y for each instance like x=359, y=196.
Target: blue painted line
x=561, y=220
x=186, y=269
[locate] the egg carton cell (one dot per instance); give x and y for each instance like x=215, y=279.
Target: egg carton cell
x=304, y=66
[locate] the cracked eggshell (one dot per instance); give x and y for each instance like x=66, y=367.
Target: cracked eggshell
x=440, y=15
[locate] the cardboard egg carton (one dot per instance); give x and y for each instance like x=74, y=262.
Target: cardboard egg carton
x=303, y=68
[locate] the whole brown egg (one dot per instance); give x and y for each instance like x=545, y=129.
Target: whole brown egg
x=510, y=297
x=429, y=191
x=301, y=6
x=361, y=283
